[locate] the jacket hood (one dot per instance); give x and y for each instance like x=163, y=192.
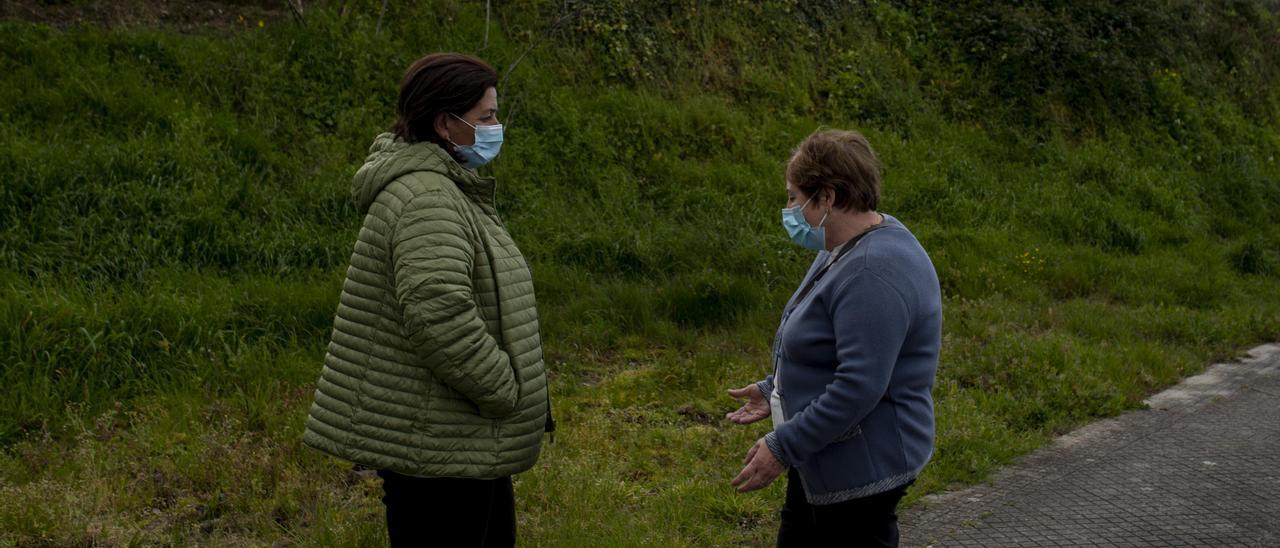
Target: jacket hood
x=391, y=157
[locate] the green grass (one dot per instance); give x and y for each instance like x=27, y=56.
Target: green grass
x=175, y=221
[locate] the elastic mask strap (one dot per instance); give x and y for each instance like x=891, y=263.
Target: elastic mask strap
x=461, y=120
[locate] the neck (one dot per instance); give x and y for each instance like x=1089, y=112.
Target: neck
x=843, y=226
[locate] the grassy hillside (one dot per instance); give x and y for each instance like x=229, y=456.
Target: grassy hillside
x=1096, y=184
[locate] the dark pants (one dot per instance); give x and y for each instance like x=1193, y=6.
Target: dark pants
x=868, y=521
x=449, y=511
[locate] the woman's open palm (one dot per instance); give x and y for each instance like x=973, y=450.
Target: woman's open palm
x=755, y=408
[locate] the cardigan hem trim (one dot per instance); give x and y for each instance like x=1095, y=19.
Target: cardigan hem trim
x=867, y=490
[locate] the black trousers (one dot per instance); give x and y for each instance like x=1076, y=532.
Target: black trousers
x=449, y=511
x=868, y=521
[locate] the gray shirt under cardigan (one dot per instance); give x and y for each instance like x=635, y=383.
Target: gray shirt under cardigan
x=857, y=356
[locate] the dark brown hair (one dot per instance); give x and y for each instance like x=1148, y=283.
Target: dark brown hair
x=839, y=161
x=451, y=83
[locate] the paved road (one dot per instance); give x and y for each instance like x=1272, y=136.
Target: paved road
x=1200, y=467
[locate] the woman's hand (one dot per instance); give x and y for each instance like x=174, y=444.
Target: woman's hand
x=755, y=408
x=762, y=468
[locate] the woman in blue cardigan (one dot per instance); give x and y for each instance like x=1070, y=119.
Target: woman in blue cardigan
x=854, y=358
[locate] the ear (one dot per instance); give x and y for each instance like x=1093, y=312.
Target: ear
x=828, y=198
x=441, y=125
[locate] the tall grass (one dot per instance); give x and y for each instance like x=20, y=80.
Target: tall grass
x=175, y=221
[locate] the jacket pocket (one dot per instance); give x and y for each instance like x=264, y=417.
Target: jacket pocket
x=852, y=432
x=844, y=465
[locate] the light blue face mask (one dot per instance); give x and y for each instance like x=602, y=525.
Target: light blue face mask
x=488, y=144
x=810, y=237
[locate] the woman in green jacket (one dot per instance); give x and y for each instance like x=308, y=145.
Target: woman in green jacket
x=434, y=373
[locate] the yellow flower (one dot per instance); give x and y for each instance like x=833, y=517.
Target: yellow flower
x=260, y=24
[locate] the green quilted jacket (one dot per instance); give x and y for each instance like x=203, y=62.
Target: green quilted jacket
x=435, y=365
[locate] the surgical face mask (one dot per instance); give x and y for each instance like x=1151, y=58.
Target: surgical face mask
x=810, y=237
x=488, y=143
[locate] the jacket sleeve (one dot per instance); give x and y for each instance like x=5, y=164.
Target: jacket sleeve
x=766, y=386
x=432, y=261
x=870, y=321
